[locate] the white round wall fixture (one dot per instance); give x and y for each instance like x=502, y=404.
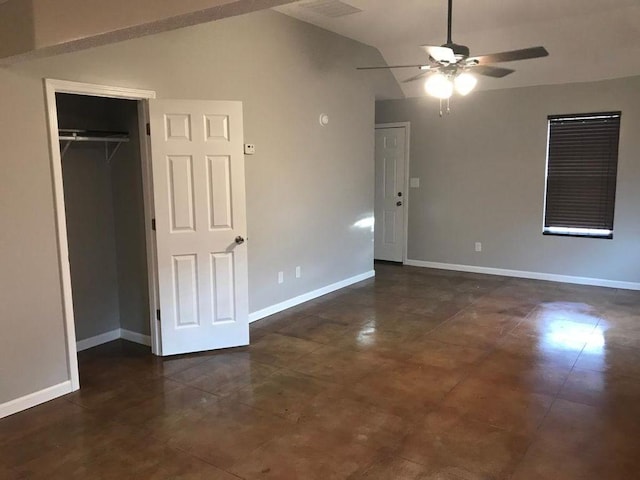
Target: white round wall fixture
x=324, y=119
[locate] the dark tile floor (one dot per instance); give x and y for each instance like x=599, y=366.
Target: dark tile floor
x=418, y=374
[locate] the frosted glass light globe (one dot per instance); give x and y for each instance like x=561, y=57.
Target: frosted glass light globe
x=465, y=82
x=439, y=86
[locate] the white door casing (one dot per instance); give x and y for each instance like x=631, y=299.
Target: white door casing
x=199, y=196
x=390, y=194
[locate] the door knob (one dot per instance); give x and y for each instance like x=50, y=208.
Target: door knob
x=239, y=240
x=398, y=203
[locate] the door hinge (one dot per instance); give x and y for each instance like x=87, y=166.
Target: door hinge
x=153, y=224
x=158, y=314
x=148, y=129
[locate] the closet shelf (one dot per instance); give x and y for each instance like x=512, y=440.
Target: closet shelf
x=70, y=135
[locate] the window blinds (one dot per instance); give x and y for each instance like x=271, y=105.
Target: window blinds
x=582, y=167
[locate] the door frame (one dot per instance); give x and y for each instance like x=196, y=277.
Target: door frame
x=53, y=86
x=407, y=159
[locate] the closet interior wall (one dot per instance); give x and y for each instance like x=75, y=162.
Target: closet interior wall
x=105, y=218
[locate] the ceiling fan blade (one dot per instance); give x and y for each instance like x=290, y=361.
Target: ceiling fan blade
x=425, y=67
x=440, y=54
x=511, y=56
x=416, y=77
x=489, y=71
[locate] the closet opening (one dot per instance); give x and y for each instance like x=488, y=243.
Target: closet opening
x=101, y=149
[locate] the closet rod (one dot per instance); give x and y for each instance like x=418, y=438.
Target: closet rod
x=69, y=136
x=73, y=135
x=94, y=139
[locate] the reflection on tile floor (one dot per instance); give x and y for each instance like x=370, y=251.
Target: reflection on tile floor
x=418, y=374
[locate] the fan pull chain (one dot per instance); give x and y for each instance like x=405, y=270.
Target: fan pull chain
x=448, y=110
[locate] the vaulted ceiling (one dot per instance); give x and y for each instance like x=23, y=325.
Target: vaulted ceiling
x=588, y=40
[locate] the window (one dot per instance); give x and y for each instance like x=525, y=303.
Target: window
x=582, y=166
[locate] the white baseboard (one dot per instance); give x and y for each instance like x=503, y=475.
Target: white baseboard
x=36, y=398
x=111, y=336
x=98, y=340
x=292, y=302
x=42, y=396
x=135, y=337
x=551, y=277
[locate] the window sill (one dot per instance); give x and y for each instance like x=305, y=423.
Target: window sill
x=579, y=235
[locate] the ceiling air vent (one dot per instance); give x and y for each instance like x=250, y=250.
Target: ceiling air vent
x=330, y=8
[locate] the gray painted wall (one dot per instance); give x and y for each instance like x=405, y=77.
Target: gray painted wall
x=482, y=174
x=91, y=236
x=129, y=223
x=306, y=187
x=32, y=346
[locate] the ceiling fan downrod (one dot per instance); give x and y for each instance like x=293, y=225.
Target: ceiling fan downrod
x=449, y=23
x=460, y=51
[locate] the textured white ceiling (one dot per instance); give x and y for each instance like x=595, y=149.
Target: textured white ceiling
x=587, y=39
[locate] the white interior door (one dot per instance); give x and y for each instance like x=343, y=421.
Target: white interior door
x=389, y=194
x=199, y=199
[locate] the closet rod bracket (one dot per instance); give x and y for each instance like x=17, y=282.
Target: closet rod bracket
x=108, y=156
x=65, y=148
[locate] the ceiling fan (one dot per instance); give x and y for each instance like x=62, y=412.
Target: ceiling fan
x=450, y=65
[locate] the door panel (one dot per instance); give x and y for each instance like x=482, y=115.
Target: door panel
x=390, y=166
x=217, y=127
x=181, y=193
x=389, y=227
x=199, y=196
x=185, y=288
x=219, y=177
x=389, y=194
x=222, y=280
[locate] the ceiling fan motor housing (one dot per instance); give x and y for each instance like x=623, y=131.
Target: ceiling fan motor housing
x=460, y=51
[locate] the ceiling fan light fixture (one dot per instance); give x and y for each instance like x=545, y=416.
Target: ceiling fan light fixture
x=439, y=86
x=465, y=83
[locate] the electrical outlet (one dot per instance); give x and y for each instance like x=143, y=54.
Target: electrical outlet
x=280, y=277
x=478, y=246
x=298, y=272
x=249, y=149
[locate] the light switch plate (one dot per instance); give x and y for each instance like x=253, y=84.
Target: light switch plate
x=414, y=182
x=249, y=149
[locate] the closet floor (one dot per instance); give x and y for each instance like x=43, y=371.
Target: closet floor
x=416, y=374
